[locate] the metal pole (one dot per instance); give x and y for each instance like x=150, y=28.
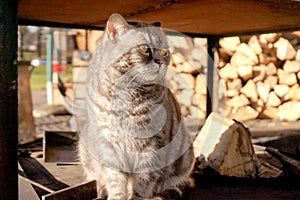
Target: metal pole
x=211, y=93
x=8, y=100
x=49, y=55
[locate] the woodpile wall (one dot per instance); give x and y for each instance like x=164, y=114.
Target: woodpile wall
x=259, y=74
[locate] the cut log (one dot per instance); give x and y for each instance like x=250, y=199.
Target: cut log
x=254, y=45
x=271, y=81
x=281, y=90
x=286, y=78
x=239, y=59
x=259, y=73
x=285, y=51
x=250, y=91
x=263, y=91
x=238, y=101
x=245, y=72
x=226, y=146
x=245, y=113
x=245, y=49
x=289, y=111
x=292, y=66
x=228, y=72
x=271, y=69
x=273, y=100
x=229, y=44
x=293, y=93
x=270, y=113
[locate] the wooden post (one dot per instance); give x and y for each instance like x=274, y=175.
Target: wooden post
x=26, y=126
x=49, y=50
x=8, y=100
x=212, y=83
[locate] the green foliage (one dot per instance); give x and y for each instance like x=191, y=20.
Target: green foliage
x=38, y=78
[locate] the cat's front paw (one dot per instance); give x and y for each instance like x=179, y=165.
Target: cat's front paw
x=155, y=198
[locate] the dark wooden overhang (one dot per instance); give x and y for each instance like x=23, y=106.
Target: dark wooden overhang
x=202, y=17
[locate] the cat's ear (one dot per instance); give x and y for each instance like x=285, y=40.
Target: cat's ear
x=116, y=26
x=156, y=24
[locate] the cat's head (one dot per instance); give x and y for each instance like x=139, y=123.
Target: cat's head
x=147, y=55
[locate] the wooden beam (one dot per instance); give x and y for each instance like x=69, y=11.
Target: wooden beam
x=8, y=100
x=212, y=81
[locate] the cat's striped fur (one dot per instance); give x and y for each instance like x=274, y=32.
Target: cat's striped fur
x=134, y=143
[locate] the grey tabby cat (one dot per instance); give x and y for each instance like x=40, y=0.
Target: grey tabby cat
x=134, y=142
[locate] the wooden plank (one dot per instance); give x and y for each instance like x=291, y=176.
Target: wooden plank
x=60, y=147
x=36, y=172
x=8, y=100
x=291, y=164
x=86, y=191
x=206, y=17
x=26, y=131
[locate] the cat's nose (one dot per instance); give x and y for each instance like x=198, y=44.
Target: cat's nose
x=158, y=61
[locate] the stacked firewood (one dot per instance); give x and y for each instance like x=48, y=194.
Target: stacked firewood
x=261, y=76
x=186, y=77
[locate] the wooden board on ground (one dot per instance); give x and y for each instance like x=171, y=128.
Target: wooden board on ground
x=60, y=147
x=82, y=191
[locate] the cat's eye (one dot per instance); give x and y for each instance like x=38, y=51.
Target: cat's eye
x=164, y=52
x=145, y=49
